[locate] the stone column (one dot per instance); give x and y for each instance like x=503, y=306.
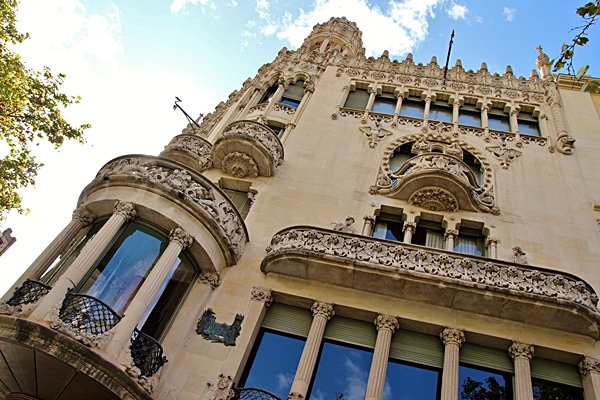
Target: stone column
x=589, y=368
x=455, y=110
x=81, y=218
x=252, y=99
x=400, y=97
x=340, y=104
x=324, y=45
x=123, y=212
x=452, y=340
x=308, y=91
x=322, y=312
x=179, y=240
x=449, y=236
x=522, y=353
x=409, y=229
x=367, y=229
x=492, y=244
x=386, y=326
x=372, y=95
x=514, y=123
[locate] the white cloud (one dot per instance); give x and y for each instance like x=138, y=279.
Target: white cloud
x=284, y=381
x=509, y=13
x=356, y=380
x=180, y=5
x=457, y=11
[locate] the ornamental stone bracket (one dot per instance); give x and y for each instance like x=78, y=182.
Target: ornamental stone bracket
x=504, y=154
x=190, y=150
x=247, y=149
x=188, y=189
x=501, y=289
x=374, y=134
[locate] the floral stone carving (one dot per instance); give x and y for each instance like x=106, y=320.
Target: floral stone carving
x=240, y=165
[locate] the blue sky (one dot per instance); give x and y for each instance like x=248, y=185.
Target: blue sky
x=128, y=60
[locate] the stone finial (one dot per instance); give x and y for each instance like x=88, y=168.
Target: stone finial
x=409, y=57
x=542, y=62
x=483, y=67
x=433, y=60
x=534, y=74
x=508, y=70
x=385, y=54
x=458, y=63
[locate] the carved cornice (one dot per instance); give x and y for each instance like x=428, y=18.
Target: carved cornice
x=452, y=336
x=187, y=187
x=384, y=258
x=521, y=350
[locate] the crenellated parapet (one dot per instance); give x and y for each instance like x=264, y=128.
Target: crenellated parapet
x=441, y=278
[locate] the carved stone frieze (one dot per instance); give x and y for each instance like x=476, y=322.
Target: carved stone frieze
x=434, y=199
x=382, y=255
x=184, y=185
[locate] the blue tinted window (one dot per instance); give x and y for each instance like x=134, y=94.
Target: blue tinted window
x=411, y=382
x=543, y=390
x=384, y=105
x=342, y=371
x=273, y=363
x=477, y=383
x=412, y=109
x=498, y=123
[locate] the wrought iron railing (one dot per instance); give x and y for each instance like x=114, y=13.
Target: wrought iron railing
x=147, y=353
x=252, y=394
x=29, y=292
x=86, y=314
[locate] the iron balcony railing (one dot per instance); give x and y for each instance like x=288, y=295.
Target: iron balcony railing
x=147, y=353
x=252, y=394
x=87, y=315
x=29, y=292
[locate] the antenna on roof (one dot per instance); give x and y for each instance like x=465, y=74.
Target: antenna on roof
x=448, y=56
x=190, y=119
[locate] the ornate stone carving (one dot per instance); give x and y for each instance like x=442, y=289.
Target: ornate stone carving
x=295, y=396
x=222, y=390
x=436, y=263
x=261, y=134
x=452, y=336
x=434, y=199
x=387, y=322
x=521, y=350
x=519, y=256
x=346, y=226
x=262, y=295
x=565, y=144
x=589, y=365
x=409, y=226
x=322, y=309
x=182, y=237
x=126, y=210
x=374, y=134
x=504, y=154
x=84, y=216
x=199, y=190
x=240, y=165
x=210, y=279
x=195, y=145
x=450, y=233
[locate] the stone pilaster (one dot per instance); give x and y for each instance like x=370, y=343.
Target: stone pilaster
x=368, y=225
x=386, y=326
x=589, y=368
x=450, y=236
x=522, y=354
x=452, y=339
x=322, y=312
x=492, y=245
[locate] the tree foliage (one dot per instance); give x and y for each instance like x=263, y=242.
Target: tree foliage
x=589, y=12
x=30, y=113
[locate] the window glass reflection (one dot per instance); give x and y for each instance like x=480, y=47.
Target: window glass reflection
x=478, y=383
x=544, y=390
x=274, y=362
x=410, y=382
x=342, y=372
x=121, y=272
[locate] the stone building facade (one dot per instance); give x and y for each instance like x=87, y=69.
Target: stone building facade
x=341, y=227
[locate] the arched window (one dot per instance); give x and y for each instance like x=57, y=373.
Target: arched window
x=268, y=96
x=293, y=94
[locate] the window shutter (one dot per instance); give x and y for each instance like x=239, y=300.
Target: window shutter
x=417, y=348
x=555, y=371
x=496, y=359
x=351, y=331
x=288, y=319
x=357, y=99
x=295, y=91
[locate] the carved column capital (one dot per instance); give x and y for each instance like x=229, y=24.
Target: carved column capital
x=295, y=396
x=450, y=233
x=180, y=236
x=589, y=365
x=207, y=278
x=409, y=226
x=369, y=219
x=521, y=350
x=262, y=295
x=84, y=216
x=452, y=336
x=125, y=209
x=492, y=241
x=387, y=322
x=323, y=309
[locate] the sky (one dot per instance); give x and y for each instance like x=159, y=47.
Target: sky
x=128, y=59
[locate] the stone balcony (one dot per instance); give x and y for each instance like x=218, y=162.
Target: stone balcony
x=247, y=149
x=494, y=288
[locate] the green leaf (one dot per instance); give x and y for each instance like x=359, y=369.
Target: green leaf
x=582, y=71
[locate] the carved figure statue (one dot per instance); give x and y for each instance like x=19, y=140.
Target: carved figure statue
x=345, y=226
x=519, y=256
